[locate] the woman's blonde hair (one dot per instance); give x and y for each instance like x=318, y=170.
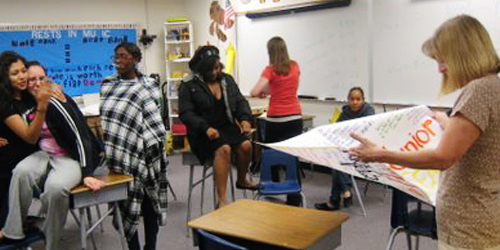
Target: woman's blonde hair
x=278, y=55
x=465, y=46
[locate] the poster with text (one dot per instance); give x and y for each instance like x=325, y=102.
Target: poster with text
x=410, y=129
x=76, y=56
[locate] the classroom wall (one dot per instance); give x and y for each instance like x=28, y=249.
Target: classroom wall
x=198, y=12
x=149, y=13
x=330, y=46
x=375, y=44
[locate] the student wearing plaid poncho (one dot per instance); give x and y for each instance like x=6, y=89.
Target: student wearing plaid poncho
x=134, y=136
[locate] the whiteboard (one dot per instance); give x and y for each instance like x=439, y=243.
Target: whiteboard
x=333, y=47
x=330, y=46
x=401, y=72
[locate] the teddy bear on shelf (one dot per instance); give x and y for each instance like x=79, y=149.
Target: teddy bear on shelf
x=217, y=17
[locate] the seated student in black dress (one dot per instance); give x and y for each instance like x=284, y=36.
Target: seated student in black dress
x=217, y=118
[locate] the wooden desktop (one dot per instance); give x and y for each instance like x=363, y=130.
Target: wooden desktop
x=274, y=226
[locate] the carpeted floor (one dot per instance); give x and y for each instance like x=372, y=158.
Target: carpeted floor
x=358, y=233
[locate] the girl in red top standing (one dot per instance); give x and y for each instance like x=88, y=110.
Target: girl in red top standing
x=280, y=80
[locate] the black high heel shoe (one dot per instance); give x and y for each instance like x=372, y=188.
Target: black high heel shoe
x=347, y=201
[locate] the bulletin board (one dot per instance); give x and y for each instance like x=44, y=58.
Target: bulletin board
x=77, y=56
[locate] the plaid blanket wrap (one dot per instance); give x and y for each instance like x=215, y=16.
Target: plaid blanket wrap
x=134, y=136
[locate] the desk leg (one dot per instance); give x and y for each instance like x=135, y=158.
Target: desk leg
x=231, y=181
x=171, y=190
x=204, y=176
x=195, y=238
x=83, y=232
x=118, y=215
x=89, y=218
x=99, y=216
x=190, y=190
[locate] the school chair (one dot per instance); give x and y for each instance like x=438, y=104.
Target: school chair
x=166, y=121
x=208, y=241
x=32, y=235
x=41, y=213
x=408, y=216
x=358, y=195
x=261, y=137
x=82, y=198
x=271, y=158
x=188, y=158
x=336, y=115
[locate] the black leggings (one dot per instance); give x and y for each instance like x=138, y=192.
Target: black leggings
x=4, y=209
x=4, y=199
x=151, y=227
x=279, y=131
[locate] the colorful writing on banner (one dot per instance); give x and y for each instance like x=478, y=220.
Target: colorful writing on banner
x=76, y=56
x=404, y=130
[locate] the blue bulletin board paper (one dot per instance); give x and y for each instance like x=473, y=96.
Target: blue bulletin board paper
x=77, y=56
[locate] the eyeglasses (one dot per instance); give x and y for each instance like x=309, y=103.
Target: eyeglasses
x=35, y=79
x=121, y=56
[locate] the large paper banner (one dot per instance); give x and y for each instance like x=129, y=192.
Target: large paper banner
x=409, y=129
x=77, y=56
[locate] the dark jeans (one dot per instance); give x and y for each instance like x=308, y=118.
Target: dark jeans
x=341, y=182
x=4, y=199
x=151, y=227
x=279, y=131
x=4, y=209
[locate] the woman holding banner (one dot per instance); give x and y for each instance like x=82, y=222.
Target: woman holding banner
x=468, y=205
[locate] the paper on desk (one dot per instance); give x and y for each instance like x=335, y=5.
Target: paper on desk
x=405, y=130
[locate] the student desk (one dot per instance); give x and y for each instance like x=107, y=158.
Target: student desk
x=264, y=225
x=82, y=198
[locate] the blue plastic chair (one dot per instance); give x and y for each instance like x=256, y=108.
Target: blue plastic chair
x=290, y=185
x=416, y=222
x=32, y=236
x=208, y=241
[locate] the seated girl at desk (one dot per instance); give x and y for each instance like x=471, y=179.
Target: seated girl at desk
x=14, y=99
x=69, y=153
x=217, y=117
x=341, y=182
x=280, y=79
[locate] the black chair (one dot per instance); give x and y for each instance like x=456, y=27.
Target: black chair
x=208, y=241
x=408, y=216
x=164, y=105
